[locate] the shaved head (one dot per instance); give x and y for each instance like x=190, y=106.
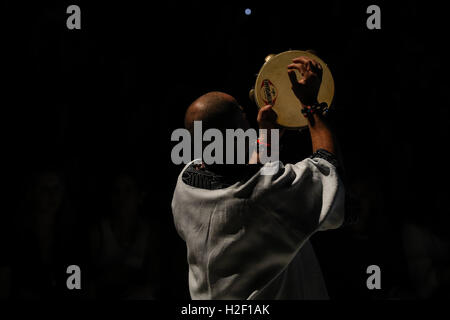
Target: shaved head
x=216, y=110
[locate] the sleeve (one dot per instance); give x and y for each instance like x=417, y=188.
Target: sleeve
x=285, y=209
x=326, y=155
x=308, y=196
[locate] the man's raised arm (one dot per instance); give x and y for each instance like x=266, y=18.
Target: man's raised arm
x=306, y=91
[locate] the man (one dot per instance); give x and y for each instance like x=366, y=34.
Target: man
x=247, y=233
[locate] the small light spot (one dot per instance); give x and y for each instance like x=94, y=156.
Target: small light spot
x=248, y=11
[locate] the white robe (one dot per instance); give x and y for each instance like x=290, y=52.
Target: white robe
x=250, y=240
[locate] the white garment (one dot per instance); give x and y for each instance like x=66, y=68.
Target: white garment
x=244, y=241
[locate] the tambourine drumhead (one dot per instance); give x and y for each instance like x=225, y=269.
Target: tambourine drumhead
x=274, y=87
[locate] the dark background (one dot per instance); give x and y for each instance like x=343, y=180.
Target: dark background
x=104, y=99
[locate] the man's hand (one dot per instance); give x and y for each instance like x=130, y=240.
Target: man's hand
x=308, y=87
x=306, y=91
x=267, y=118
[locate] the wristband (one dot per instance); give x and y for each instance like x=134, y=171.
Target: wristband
x=317, y=108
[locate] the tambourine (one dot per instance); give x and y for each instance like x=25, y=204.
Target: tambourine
x=274, y=87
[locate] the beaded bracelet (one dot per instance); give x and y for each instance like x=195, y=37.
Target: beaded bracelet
x=318, y=108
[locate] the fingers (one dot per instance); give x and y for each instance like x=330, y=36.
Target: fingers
x=316, y=67
x=298, y=66
x=301, y=60
x=309, y=64
x=293, y=77
x=266, y=108
x=266, y=117
x=267, y=112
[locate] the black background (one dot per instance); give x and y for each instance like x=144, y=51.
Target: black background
x=89, y=100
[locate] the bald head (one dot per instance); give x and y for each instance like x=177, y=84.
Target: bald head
x=215, y=110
